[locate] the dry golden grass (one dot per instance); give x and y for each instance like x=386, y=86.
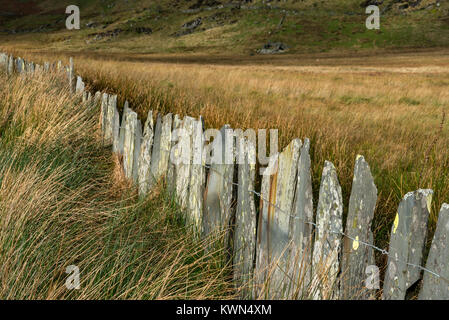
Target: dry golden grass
x=388, y=108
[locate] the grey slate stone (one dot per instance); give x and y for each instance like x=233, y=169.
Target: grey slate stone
x=301, y=236
x=218, y=196
x=327, y=245
x=197, y=178
x=407, y=241
x=437, y=288
x=245, y=220
x=357, y=257
x=145, y=178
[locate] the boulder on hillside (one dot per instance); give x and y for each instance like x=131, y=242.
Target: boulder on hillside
x=273, y=47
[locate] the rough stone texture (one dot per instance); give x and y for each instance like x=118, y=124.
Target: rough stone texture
x=171, y=173
x=47, y=66
x=301, y=236
x=356, y=256
x=4, y=62
x=245, y=220
x=263, y=264
x=407, y=241
x=122, y=128
x=131, y=146
x=197, y=177
x=184, y=162
x=103, y=114
x=437, y=288
x=282, y=222
x=20, y=65
x=111, y=112
x=79, y=85
x=327, y=246
x=156, y=152
x=276, y=224
x=165, y=145
x=218, y=195
x=10, y=65
x=71, y=75
x=115, y=124
x=145, y=179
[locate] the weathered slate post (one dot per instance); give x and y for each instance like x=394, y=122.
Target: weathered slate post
x=197, y=177
x=301, y=253
x=174, y=154
x=277, y=224
x=4, y=61
x=71, y=75
x=10, y=65
x=122, y=128
x=327, y=246
x=356, y=257
x=131, y=146
x=218, y=194
x=408, y=236
x=79, y=85
x=20, y=65
x=245, y=219
x=184, y=162
x=112, y=123
x=437, y=288
x=165, y=145
x=145, y=156
x=264, y=267
x=103, y=113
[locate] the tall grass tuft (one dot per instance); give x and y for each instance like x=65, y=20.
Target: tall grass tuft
x=63, y=201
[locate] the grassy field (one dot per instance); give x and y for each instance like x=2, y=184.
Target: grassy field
x=307, y=26
x=391, y=109
x=64, y=201
x=382, y=94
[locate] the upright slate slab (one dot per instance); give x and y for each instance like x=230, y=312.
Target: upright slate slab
x=10, y=65
x=218, y=194
x=264, y=266
x=103, y=113
x=111, y=123
x=71, y=75
x=131, y=146
x=145, y=179
x=174, y=154
x=115, y=124
x=184, y=162
x=245, y=220
x=20, y=65
x=281, y=224
x=437, y=288
x=79, y=85
x=197, y=177
x=4, y=62
x=327, y=245
x=301, y=236
x=126, y=110
x=156, y=151
x=165, y=144
x=357, y=257
x=407, y=241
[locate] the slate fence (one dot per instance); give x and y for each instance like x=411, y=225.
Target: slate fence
x=281, y=248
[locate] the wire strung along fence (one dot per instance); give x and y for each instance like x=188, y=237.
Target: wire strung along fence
x=279, y=250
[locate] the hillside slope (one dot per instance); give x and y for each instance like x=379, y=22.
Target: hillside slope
x=213, y=26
